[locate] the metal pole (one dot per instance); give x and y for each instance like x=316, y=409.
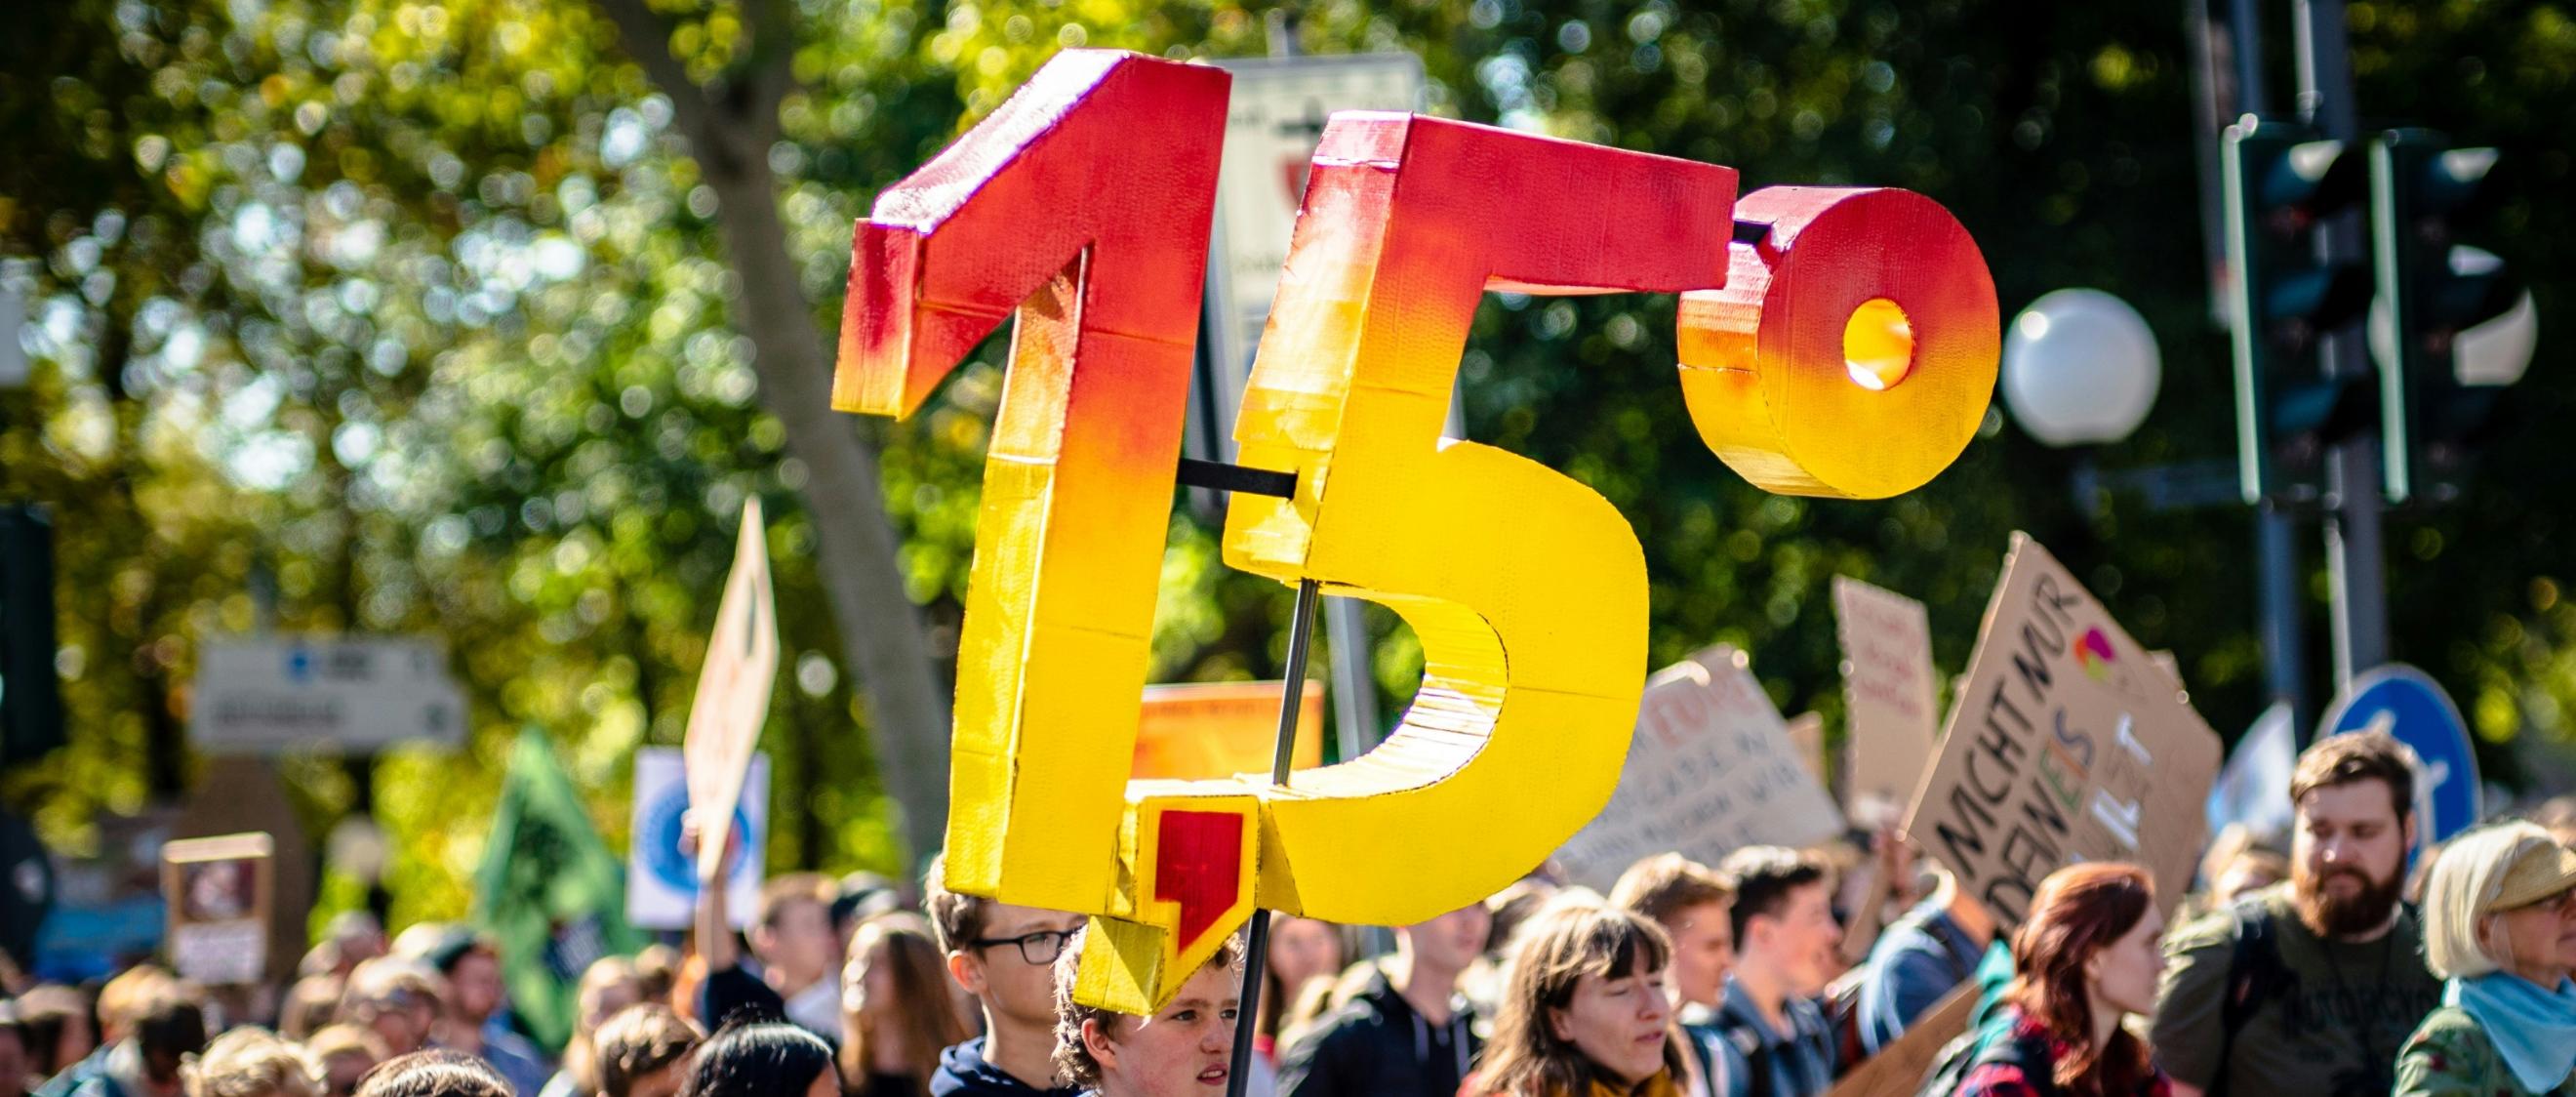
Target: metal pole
x=2354, y=557
x=2285, y=649
x=1354, y=691
x=2245, y=35
x=1256, y=940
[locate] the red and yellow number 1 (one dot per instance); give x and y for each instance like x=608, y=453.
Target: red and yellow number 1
x=1083, y=204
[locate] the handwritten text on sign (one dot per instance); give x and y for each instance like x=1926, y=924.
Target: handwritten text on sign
x=2065, y=744
x=1711, y=769
x=1888, y=683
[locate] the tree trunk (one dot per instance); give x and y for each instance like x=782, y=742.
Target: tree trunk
x=729, y=130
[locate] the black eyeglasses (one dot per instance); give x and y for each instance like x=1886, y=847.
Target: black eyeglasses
x=1041, y=947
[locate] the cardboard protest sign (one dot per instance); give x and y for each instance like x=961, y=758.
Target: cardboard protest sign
x=1081, y=206
x=733, y=691
x=2067, y=743
x=1807, y=734
x=1889, y=687
x=661, y=881
x=1710, y=769
x=1221, y=729
x=219, y=893
x=1898, y=1069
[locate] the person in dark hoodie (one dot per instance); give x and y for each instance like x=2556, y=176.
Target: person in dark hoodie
x=1004, y=955
x=1406, y=1033
x=168, y=1027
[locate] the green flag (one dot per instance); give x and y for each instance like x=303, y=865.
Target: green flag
x=549, y=891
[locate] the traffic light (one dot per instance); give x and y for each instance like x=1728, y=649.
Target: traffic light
x=31, y=709
x=2280, y=180
x=2451, y=328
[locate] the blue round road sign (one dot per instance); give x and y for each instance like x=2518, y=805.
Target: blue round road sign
x=2407, y=703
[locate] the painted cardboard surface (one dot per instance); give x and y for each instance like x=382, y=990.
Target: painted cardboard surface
x=1710, y=769
x=1221, y=729
x=2067, y=743
x=1082, y=205
x=1898, y=1069
x=733, y=690
x=1275, y=112
x=220, y=891
x=1889, y=689
x=1764, y=362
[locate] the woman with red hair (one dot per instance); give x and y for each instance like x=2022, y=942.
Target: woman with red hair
x=2085, y=958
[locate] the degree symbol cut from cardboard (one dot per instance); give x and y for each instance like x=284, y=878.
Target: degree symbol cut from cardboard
x=2067, y=743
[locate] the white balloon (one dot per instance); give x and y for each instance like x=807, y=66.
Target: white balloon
x=2080, y=368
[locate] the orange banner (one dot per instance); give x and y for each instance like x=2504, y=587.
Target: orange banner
x=1221, y=729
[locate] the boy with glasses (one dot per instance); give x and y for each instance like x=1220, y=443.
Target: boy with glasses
x=1004, y=955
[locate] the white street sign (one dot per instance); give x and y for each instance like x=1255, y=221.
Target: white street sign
x=268, y=695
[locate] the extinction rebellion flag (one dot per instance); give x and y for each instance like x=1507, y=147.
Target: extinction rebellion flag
x=549, y=891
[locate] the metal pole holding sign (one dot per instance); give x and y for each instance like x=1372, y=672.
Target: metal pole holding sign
x=1256, y=939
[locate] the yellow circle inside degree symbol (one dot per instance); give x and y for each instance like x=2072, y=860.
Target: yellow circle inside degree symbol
x=1878, y=344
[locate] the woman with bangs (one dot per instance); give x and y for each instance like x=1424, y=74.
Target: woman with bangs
x=2086, y=958
x=1584, y=1013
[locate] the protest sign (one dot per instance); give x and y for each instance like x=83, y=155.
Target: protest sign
x=1710, y=769
x=1898, y=1069
x=218, y=890
x=1888, y=686
x=733, y=690
x=2253, y=789
x=1220, y=729
x=1807, y=735
x=2067, y=743
x=661, y=881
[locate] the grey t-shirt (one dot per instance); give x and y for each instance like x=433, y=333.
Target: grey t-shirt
x=2333, y=1030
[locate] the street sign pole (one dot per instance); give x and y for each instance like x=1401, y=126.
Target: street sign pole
x=2354, y=557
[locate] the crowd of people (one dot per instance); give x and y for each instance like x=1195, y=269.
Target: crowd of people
x=2323, y=968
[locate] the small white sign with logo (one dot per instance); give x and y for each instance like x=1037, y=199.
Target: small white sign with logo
x=271, y=694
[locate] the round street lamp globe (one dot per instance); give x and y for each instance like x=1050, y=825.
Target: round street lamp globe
x=2080, y=368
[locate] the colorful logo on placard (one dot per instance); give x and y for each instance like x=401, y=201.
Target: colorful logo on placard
x=2093, y=653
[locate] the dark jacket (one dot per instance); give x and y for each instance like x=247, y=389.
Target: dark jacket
x=964, y=1073
x=735, y=994
x=1375, y=1045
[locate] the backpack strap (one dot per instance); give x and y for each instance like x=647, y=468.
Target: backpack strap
x=1995, y=1042
x=2255, y=974
x=1756, y=1051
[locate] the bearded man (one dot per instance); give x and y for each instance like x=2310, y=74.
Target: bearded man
x=2308, y=987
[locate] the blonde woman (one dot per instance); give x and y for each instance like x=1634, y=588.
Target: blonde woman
x=253, y=1062
x=2500, y=928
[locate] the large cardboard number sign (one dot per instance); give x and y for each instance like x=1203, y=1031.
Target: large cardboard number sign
x=1845, y=347
x=1083, y=203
